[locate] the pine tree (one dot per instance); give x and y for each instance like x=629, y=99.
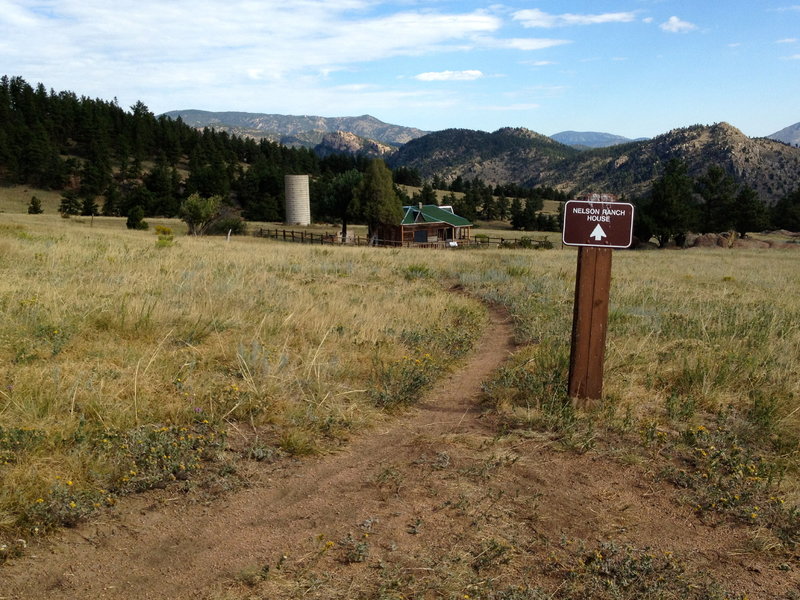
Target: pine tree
x=516, y=213
x=136, y=219
x=113, y=200
x=427, y=195
x=502, y=207
x=344, y=198
x=671, y=208
x=35, y=206
x=718, y=190
x=467, y=205
x=751, y=213
x=786, y=212
x=379, y=201
x=70, y=204
x=529, y=220
x=89, y=207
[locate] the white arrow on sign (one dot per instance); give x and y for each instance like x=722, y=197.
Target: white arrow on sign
x=598, y=233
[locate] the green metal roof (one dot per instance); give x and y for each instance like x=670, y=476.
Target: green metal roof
x=431, y=213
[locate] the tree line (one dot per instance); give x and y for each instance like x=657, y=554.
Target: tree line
x=711, y=203
x=116, y=162
x=106, y=160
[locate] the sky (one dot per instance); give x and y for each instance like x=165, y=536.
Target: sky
x=636, y=68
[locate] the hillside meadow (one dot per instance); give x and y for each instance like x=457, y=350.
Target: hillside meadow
x=129, y=362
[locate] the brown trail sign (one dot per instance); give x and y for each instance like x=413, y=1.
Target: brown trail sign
x=598, y=224
x=597, y=227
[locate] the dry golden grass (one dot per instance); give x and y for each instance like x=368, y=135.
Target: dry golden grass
x=106, y=333
x=110, y=342
x=734, y=311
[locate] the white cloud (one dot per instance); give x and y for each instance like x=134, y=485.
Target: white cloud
x=529, y=43
x=355, y=87
x=163, y=44
x=792, y=57
x=676, y=25
x=537, y=18
x=539, y=63
x=787, y=41
x=469, y=75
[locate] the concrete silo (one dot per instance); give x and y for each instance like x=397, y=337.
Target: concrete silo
x=298, y=200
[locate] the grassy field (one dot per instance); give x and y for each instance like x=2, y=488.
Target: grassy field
x=17, y=198
x=124, y=360
x=125, y=363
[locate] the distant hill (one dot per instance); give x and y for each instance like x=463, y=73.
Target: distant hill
x=788, y=135
x=509, y=155
x=589, y=139
x=296, y=130
x=769, y=167
x=528, y=158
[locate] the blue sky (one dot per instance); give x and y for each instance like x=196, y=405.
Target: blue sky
x=629, y=67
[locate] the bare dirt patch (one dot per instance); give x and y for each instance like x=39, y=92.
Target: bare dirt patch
x=431, y=504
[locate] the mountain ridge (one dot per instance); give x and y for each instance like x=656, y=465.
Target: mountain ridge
x=307, y=130
x=496, y=157
x=770, y=167
x=616, y=164
x=788, y=135
x=591, y=139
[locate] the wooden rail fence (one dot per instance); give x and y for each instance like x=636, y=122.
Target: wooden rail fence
x=479, y=241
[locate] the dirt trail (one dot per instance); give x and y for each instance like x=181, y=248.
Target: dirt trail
x=431, y=480
x=154, y=548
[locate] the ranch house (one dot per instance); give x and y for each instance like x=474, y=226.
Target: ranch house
x=427, y=225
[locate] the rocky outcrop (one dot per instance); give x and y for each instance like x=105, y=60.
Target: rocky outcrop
x=344, y=142
x=728, y=240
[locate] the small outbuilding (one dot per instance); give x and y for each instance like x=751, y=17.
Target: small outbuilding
x=427, y=225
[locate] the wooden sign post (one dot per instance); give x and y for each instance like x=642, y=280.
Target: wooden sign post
x=589, y=324
x=596, y=227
